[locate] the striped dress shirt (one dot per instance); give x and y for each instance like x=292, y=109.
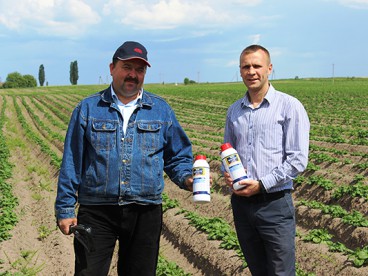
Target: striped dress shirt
x=272, y=140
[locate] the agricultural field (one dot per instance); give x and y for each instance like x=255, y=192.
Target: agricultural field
x=331, y=196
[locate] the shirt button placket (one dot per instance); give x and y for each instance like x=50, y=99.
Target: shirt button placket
x=250, y=138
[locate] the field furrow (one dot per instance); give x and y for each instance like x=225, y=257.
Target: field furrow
x=331, y=196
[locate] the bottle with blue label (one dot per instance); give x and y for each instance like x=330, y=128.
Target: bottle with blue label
x=201, y=180
x=233, y=165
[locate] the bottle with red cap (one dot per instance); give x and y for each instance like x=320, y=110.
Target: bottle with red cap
x=233, y=165
x=201, y=180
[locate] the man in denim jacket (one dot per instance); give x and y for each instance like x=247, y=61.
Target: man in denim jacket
x=118, y=144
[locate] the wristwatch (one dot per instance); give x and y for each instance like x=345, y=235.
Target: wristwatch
x=263, y=190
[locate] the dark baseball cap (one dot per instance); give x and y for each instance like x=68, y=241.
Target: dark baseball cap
x=131, y=50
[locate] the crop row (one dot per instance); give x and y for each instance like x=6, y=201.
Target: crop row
x=357, y=189
x=202, y=111
x=8, y=201
x=8, y=217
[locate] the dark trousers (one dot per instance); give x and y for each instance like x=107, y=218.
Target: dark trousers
x=138, y=229
x=265, y=228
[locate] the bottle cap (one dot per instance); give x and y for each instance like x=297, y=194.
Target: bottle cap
x=226, y=146
x=202, y=157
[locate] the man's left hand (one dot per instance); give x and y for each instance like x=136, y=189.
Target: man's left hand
x=252, y=187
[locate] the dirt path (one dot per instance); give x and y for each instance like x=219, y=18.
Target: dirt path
x=35, y=245
x=38, y=246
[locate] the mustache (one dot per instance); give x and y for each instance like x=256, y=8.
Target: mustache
x=131, y=79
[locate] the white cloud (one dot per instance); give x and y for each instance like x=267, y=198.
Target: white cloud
x=171, y=14
x=53, y=17
x=356, y=4
x=232, y=63
x=255, y=38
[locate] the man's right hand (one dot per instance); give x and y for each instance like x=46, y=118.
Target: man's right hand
x=64, y=225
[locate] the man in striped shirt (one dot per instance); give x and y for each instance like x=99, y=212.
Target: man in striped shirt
x=270, y=131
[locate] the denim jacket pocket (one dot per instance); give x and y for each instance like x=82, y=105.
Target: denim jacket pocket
x=103, y=135
x=149, y=135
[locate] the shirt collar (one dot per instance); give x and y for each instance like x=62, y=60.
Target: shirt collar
x=270, y=95
x=133, y=102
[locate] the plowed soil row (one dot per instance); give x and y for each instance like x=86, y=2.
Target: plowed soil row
x=34, y=183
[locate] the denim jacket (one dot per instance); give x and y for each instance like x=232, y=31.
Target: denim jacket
x=102, y=166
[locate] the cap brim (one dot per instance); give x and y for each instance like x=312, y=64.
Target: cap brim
x=124, y=59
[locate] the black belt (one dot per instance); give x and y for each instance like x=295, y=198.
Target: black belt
x=266, y=197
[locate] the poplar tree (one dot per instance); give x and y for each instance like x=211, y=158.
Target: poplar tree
x=41, y=75
x=74, y=72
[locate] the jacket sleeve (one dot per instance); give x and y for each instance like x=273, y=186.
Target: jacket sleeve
x=178, y=156
x=71, y=166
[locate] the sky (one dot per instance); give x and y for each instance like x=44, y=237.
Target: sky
x=196, y=39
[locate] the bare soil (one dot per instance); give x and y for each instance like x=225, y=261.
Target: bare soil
x=34, y=183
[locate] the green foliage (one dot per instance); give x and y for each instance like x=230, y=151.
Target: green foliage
x=188, y=81
x=166, y=268
x=24, y=265
x=45, y=147
x=318, y=236
x=322, y=157
x=16, y=80
x=299, y=180
x=321, y=181
x=337, y=114
x=354, y=218
x=312, y=167
x=359, y=257
x=300, y=272
x=41, y=75
x=8, y=202
x=43, y=232
x=356, y=190
x=74, y=76
x=30, y=81
x=168, y=203
x=216, y=229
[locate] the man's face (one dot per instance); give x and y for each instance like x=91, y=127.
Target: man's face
x=128, y=77
x=254, y=70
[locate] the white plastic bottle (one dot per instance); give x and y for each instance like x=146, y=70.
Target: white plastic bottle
x=233, y=165
x=201, y=180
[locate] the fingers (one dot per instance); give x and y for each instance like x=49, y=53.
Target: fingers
x=189, y=183
x=64, y=225
x=228, y=179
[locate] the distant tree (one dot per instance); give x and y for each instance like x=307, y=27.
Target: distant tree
x=41, y=75
x=74, y=72
x=188, y=81
x=30, y=81
x=16, y=80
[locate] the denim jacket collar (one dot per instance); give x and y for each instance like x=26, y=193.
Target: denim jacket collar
x=146, y=100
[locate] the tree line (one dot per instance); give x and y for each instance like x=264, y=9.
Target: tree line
x=17, y=80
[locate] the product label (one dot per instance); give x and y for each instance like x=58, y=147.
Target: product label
x=235, y=167
x=199, y=171
x=201, y=181
x=232, y=158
